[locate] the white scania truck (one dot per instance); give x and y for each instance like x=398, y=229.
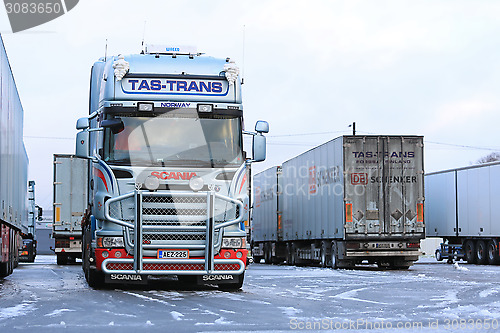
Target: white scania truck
x=168, y=183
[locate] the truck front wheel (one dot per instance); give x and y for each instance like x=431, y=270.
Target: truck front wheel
x=439, y=256
x=233, y=286
x=94, y=278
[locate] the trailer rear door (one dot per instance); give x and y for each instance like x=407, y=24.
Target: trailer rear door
x=383, y=187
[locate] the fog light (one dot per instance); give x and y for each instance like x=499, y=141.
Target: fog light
x=118, y=254
x=105, y=254
x=239, y=255
x=204, y=108
x=227, y=255
x=196, y=183
x=152, y=183
x=145, y=107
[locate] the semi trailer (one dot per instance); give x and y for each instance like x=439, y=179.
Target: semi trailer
x=461, y=209
x=70, y=203
x=167, y=185
x=352, y=200
x=13, y=171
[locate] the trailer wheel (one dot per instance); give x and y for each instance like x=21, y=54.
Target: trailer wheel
x=288, y=256
x=439, y=256
x=62, y=259
x=293, y=255
x=268, y=253
x=470, y=253
x=481, y=252
x=324, y=255
x=334, y=262
x=4, y=269
x=493, y=252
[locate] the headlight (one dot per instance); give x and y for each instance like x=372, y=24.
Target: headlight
x=233, y=242
x=110, y=242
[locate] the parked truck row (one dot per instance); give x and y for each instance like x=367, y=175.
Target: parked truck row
x=352, y=200
x=461, y=207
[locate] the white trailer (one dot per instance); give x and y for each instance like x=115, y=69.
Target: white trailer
x=462, y=209
x=70, y=203
x=352, y=200
x=13, y=170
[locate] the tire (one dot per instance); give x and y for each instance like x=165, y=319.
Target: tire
x=492, y=252
x=233, y=286
x=293, y=255
x=324, y=255
x=95, y=278
x=62, y=259
x=4, y=269
x=470, y=251
x=267, y=254
x=481, y=252
x=288, y=254
x=334, y=262
x=188, y=279
x=401, y=264
x=439, y=257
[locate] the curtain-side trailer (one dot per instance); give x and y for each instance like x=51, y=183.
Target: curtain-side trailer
x=461, y=208
x=352, y=200
x=13, y=170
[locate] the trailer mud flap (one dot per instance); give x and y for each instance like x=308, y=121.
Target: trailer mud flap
x=126, y=278
x=218, y=278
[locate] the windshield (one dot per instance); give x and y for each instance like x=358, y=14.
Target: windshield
x=175, y=140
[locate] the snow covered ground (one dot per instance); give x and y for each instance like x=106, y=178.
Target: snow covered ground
x=431, y=296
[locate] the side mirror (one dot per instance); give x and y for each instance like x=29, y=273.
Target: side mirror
x=261, y=126
x=82, y=144
x=40, y=213
x=259, y=148
x=82, y=123
x=115, y=124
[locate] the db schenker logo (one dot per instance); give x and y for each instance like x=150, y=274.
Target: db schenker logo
x=26, y=14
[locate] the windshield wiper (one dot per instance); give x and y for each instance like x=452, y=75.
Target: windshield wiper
x=187, y=161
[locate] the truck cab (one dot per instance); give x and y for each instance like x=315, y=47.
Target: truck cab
x=168, y=187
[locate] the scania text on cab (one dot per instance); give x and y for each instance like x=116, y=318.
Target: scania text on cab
x=168, y=177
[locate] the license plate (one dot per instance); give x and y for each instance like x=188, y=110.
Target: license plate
x=173, y=254
x=383, y=246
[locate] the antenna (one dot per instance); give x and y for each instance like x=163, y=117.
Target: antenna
x=106, y=51
x=243, y=60
x=143, y=34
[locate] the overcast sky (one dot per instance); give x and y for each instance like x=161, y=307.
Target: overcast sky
x=311, y=68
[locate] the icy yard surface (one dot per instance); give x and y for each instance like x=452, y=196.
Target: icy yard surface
x=431, y=296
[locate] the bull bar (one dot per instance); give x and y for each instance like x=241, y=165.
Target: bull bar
x=211, y=244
